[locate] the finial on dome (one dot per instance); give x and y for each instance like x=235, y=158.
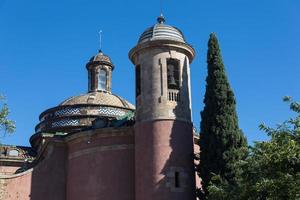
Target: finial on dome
x=161, y=19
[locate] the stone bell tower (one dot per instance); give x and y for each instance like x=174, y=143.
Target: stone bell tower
x=164, y=166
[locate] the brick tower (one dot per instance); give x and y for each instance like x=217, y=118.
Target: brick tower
x=163, y=131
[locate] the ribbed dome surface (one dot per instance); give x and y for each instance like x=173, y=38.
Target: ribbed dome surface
x=161, y=31
x=101, y=58
x=98, y=98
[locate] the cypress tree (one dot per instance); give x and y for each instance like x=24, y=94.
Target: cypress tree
x=222, y=143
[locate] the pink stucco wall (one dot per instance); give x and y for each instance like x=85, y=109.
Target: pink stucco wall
x=16, y=187
x=104, y=164
x=8, y=169
x=101, y=165
x=162, y=148
x=49, y=176
x=46, y=181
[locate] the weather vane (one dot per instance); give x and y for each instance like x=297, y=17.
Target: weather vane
x=100, y=40
x=161, y=18
x=161, y=7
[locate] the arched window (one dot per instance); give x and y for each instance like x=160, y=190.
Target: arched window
x=90, y=80
x=173, y=74
x=138, y=80
x=102, y=80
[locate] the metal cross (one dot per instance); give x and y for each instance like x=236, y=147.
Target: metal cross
x=161, y=7
x=100, y=39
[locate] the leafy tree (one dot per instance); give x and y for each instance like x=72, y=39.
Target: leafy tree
x=222, y=143
x=6, y=125
x=272, y=169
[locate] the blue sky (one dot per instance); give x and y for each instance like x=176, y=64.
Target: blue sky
x=44, y=46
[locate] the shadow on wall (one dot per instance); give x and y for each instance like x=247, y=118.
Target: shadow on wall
x=178, y=171
x=49, y=176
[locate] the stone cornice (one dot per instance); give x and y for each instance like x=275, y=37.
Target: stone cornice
x=186, y=48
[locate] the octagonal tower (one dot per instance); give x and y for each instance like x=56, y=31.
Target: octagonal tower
x=100, y=70
x=163, y=130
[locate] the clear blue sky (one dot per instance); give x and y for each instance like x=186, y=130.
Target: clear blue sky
x=44, y=46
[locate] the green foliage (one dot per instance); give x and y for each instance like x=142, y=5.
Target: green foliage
x=272, y=169
x=6, y=125
x=222, y=143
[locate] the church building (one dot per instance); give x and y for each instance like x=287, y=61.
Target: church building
x=99, y=146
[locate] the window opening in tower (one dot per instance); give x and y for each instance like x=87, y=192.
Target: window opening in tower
x=102, y=80
x=173, y=74
x=138, y=80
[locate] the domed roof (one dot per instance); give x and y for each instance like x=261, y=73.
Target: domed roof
x=161, y=31
x=79, y=112
x=102, y=58
x=98, y=98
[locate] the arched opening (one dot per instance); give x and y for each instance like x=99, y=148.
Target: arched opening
x=173, y=74
x=137, y=80
x=102, y=80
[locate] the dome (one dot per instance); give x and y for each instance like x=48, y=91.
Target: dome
x=79, y=112
x=98, y=98
x=161, y=31
x=101, y=59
